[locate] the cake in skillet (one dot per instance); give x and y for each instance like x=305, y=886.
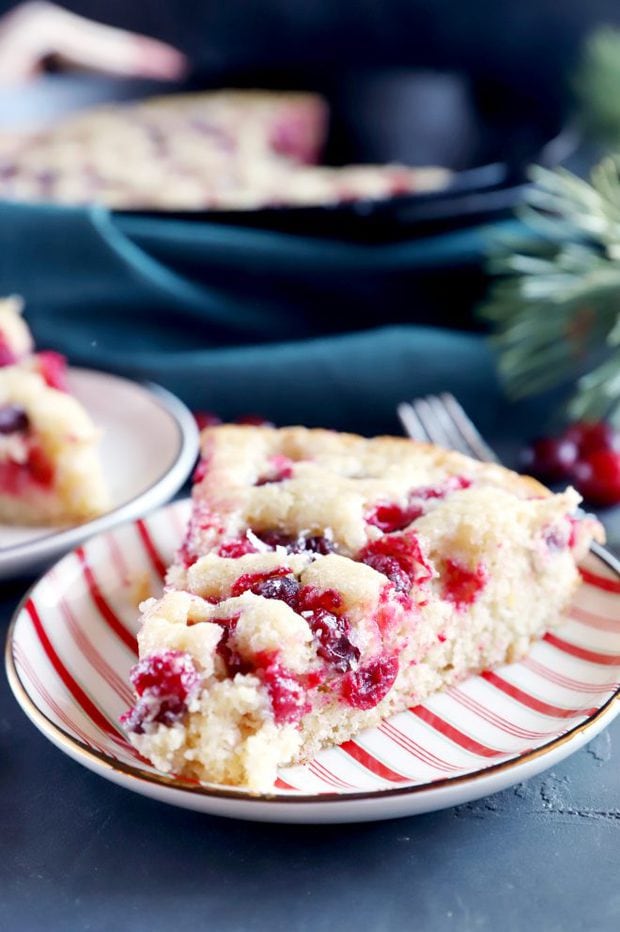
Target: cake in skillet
x=215, y=150
x=49, y=463
x=327, y=581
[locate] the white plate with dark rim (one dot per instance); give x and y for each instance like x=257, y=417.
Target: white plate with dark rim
x=149, y=445
x=72, y=642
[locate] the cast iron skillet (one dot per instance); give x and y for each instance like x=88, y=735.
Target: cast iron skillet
x=486, y=134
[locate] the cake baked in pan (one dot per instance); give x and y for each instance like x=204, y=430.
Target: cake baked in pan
x=327, y=581
x=222, y=150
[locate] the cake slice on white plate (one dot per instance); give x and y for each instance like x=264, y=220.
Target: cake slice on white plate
x=327, y=581
x=50, y=472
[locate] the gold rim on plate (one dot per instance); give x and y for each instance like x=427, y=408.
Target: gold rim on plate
x=608, y=710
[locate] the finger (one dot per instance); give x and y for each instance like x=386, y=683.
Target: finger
x=36, y=30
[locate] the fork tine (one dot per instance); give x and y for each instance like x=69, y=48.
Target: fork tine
x=454, y=440
x=480, y=449
x=440, y=419
x=433, y=427
x=411, y=422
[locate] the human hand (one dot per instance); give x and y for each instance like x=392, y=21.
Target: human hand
x=37, y=30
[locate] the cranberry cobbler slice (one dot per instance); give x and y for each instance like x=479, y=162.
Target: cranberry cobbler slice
x=327, y=581
x=49, y=464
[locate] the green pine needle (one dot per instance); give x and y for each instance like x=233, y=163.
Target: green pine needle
x=555, y=305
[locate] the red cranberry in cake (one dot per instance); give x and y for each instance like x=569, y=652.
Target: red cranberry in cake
x=462, y=585
x=287, y=695
x=253, y=420
x=53, y=368
x=13, y=420
x=366, y=687
x=206, y=419
x=257, y=582
x=280, y=468
x=315, y=543
x=166, y=683
x=284, y=588
x=393, y=517
x=400, y=558
x=333, y=634
x=316, y=606
x=7, y=355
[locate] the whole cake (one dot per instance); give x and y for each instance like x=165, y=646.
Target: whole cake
x=49, y=461
x=215, y=150
x=327, y=581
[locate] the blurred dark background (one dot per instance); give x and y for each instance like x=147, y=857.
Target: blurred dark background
x=532, y=42
x=205, y=281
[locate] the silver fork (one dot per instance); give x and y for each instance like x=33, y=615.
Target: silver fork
x=440, y=419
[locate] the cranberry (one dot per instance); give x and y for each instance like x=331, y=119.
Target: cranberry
x=461, y=585
x=366, y=687
x=557, y=536
x=200, y=472
x=283, y=588
x=13, y=478
x=232, y=659
x=281, y=469
x=233, y=549
x=252, y=582
x=166, y=682
x=293, y=136
x=332, y=634
x=206, y=419
x=406, y=565
x=254, y=420
x=288, y=698
x=7, y=356
x=311, y=598
x=390, y=517
x=53, y=368
x=451, y=484
x=593, y=435
x=39, y=466
x=323, y=610
x=597, y=477
x=391, y=568
x=314, y=544
x=13, y=419
x=551, y=458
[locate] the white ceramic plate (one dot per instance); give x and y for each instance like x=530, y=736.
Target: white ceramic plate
x=149, y=445
x=72, y=642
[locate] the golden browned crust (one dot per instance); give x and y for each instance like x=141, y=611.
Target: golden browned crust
x=320, y=439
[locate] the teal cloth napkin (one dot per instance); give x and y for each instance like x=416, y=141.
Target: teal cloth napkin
x=237, y=320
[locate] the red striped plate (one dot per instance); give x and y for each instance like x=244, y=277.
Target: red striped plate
x=72, y=642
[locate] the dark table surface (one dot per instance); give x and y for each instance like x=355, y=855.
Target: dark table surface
x=78, y=853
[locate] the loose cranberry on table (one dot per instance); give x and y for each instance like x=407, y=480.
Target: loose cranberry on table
x=593, y=435
x=550, y=458
x=597, y=477
x=587, y=454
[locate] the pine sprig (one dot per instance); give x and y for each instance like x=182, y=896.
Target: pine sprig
x=596, y=85
x=555, y=305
